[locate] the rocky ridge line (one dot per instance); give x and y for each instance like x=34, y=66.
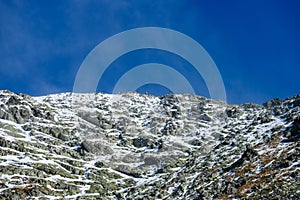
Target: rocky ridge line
x=134, y=146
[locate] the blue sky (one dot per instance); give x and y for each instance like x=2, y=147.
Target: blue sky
x=255, y=44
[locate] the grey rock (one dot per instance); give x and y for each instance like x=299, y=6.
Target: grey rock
x=141, y=142
x=96, y=148
x=133, y=146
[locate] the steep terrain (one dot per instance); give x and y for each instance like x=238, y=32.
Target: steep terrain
x=134, y=146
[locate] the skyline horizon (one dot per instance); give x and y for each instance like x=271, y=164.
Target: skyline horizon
x=255, y=45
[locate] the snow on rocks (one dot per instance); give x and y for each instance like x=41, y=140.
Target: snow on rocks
x=131, y=145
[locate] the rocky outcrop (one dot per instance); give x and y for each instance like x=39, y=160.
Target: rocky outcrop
x=134, y=146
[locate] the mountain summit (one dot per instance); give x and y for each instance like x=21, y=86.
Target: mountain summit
x=136, y=146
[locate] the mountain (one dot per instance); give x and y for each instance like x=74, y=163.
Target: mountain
x=137, y=146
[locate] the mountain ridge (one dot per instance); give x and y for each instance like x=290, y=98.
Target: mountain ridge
x=135, y=146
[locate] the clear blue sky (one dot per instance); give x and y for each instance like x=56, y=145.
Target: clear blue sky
x=255, y=44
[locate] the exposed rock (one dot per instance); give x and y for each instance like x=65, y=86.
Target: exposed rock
x=205, y=117
x=233, y=112
x=293, y=132
x=133, y=146
x=141, y=142
x=96, y=148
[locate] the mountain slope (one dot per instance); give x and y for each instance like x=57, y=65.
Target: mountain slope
x=134, y=146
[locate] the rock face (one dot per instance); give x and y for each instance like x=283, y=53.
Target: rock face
x=134, y=146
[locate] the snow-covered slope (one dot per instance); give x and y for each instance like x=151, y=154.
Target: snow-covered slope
x=134, y=146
